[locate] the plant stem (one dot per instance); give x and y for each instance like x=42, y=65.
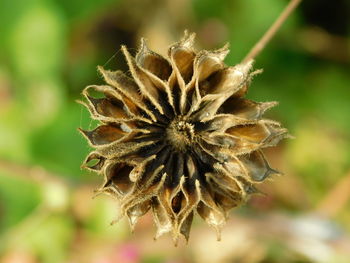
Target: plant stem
x=259, y=46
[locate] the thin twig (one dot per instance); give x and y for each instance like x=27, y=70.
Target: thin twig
x=259, y=46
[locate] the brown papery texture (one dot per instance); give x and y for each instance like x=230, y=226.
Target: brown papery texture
x=177, y=137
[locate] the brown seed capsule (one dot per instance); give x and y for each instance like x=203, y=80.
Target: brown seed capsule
x=178, y=137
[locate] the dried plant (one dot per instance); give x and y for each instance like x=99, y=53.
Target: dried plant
x=178, y=136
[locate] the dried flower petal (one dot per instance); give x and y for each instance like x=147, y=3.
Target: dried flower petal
x=178, y=137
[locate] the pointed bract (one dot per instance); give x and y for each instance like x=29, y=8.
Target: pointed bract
x=178, y=137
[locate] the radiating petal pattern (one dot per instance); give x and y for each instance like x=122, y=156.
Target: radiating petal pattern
x=178, y=137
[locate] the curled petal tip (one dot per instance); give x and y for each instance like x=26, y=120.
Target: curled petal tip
x=218, y=234
x=116, y=220
x=158, y=235
x=250, y=62
x=269, y=105
x=198, y=100
x=225, y=47
x=101, y=70
x=262, y=193
x=125, y=51
x=113, y=222
x=81, y=102
x=84, y=132
x=143, y=47
x=223, y=52
x=143, y=42
x=252, y=190
x=98, y=192
x=176, y=239
x=275, y=172
x=289, y=136
x=256, y=72
x=188, y=39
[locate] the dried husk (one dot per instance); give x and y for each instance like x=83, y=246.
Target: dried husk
x=177, y=137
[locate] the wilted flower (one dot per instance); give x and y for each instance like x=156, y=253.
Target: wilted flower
x=178, y=136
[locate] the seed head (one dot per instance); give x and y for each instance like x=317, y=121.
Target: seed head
x=178, y=137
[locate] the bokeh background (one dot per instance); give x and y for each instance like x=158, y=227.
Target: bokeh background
x=49, y=50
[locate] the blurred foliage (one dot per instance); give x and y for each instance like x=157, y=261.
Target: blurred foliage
x=49, y=51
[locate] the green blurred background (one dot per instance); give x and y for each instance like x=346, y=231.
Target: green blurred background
x=49, y=51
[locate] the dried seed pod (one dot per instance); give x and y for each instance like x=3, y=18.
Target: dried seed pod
x=178, y=136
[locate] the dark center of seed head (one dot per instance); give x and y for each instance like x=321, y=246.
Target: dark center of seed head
x=180, y=133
